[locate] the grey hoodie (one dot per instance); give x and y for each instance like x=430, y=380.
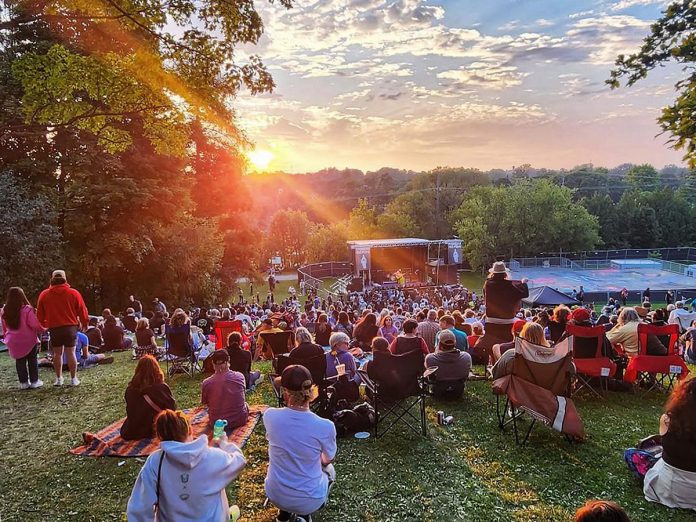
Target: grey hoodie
x=192, y=482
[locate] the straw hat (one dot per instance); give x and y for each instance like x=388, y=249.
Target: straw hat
x=498, y=268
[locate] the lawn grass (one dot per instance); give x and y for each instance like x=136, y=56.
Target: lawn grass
x=469, y=471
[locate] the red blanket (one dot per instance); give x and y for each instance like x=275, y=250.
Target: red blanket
x=108, y=442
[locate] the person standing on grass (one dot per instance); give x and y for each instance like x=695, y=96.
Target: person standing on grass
x=21, y=330
x=185, y=479
x=62, y=310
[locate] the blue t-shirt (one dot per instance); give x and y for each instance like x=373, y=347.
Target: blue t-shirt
x=82, y=341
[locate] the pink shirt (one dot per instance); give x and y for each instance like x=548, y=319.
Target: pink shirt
x=20, y=341
x=223, y=393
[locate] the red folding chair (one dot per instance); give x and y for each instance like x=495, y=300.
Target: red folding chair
x=598, y=367
x=223, y=329
x=656, y=371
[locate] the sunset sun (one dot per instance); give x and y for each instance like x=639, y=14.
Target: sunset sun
x=260, y=158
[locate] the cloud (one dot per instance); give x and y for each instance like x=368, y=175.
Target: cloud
x=627, y=4
x=493, y=75
x=608, y=36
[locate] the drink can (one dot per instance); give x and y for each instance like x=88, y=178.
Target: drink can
x=449, y=420
x=440, y=417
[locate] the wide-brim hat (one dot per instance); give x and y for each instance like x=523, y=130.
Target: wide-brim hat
x=641, y=311
x=498, y=268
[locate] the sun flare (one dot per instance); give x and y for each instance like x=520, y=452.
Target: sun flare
x=260, y=158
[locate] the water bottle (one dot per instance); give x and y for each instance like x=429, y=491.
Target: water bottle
x=219, y=429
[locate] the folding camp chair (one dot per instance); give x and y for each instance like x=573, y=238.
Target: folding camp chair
x=317, y=368
x=598, y=368
x=539, y=385
x=278, y=343
x=397, y=385
x=656, y=372
x=179, y=350
x=223, y=329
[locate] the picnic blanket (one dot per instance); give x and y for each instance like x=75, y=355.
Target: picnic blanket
x=108, y=442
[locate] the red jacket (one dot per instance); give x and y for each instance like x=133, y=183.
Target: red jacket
x=60, y=305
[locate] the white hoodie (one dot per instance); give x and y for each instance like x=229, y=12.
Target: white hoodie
x=192, y=482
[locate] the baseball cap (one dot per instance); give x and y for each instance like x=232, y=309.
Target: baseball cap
x=296, y=378
x=581, y=314
x=518, y=325
x=447, y=339
x=220, y=356
x=58, y=273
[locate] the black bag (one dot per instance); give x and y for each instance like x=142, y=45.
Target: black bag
x=360, y=418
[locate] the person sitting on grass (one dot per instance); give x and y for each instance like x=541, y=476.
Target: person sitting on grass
x=223, y=393
x=145, y=339
x=185, y=479
x=601, y=511
x=146, y=395
x=447, y=323
x=301, y=449
x=408, y=341
x=672, y=480
x=240, y=360
x=115, y=339
x=452, y=364
x=94, y=334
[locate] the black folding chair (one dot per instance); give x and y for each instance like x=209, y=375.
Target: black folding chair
x=397, y=386
x=316, y=366
x=446, y=389
x=179, y=350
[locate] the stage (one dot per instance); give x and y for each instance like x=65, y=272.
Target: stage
x=406, y=260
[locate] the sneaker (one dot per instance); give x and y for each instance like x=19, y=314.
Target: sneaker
x=23, y=385
x=37, y=384
x=259, y=380
x=75, y=381
x=235, y=513
x=59, y=381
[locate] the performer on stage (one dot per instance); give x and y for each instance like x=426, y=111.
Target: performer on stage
x=502, y=298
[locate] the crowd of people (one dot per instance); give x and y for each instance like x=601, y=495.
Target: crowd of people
x=451, y=328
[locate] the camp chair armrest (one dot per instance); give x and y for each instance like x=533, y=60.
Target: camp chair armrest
x=369, y=383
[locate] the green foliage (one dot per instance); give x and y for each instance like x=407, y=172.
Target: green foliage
x=362, y=222
x=30, y=241
x=522, y=220
x=328, y=243
x=603, y=208
x=643, y=177
x=672, y=37
x=288, y=232
x=99, y=95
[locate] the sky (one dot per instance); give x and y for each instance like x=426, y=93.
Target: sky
x=417, y=84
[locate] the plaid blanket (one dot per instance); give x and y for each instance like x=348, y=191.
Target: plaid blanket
x=108, y=442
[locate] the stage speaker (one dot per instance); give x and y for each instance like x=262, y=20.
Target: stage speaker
x=356, y=285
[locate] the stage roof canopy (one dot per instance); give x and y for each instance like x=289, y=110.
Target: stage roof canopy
x=396, y=242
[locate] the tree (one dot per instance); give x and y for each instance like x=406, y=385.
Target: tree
x=643, y=177
x=328, y=243
x=31, y=242
x=603, y=208
x=671, y=38
x=637, y=222
x=525, y=219
x=362, y=222
x=289, y=230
